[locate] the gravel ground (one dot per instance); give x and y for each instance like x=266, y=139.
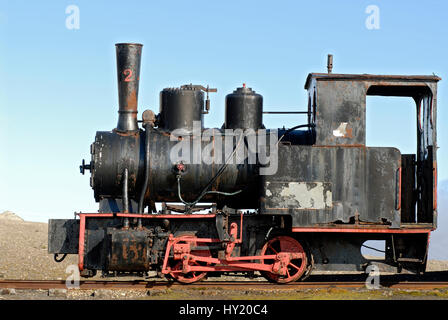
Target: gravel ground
x=186, y=293
x=24, y=252
x=24, y=255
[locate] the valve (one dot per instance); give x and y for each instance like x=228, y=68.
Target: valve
x=83, y=167
x=180, y=168
x=206, y=90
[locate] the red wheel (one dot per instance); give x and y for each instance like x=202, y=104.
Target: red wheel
x=193, y=276
x=296, y=266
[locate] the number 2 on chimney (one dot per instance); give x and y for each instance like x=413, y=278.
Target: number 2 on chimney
x=128, y=74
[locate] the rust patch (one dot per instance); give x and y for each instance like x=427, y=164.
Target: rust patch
x=131, y=101
x=126, y=133
x=348, y=132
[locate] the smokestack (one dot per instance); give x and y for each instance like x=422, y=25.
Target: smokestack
x=128, y=74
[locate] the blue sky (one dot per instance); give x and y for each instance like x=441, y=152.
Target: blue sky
x=58, y=86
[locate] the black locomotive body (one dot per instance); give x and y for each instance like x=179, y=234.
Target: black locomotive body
x=307, y=198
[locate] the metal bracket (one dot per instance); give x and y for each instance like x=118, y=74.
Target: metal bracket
x=205, y=89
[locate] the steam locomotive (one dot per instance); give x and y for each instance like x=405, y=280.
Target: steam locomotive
x=187, y=202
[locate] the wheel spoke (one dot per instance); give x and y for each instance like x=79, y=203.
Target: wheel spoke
x=270, y=247
x=293, y=265
x=283, y=246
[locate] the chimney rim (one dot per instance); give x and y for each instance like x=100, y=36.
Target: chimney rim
x=128, y=44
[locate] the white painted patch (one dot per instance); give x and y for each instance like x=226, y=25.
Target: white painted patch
x=341, y=131
x=328, y=199
x=301, y=195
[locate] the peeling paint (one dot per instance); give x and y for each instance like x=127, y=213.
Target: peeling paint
x=300, y=195
x=328, y=198
x=343, y=131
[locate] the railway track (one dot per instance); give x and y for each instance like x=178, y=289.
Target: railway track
x=240, y=285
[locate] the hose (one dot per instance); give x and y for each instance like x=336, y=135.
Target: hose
x=190, y=204
x=204, y=191
x=125, y=191
x=145, y=183
x=60, y=259
x=371, y=248
x=310, y=125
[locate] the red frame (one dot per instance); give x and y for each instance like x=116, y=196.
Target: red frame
x=230, y=263
x=361, y=230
